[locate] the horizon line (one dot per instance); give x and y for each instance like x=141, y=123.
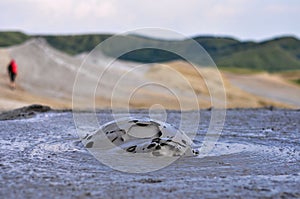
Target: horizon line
x=281, y=35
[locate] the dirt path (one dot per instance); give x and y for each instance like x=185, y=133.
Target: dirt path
x=267, y=86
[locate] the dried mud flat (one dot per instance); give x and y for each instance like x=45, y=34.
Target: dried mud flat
x=257, y=155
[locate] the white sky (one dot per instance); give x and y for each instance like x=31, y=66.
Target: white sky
x=243, y=19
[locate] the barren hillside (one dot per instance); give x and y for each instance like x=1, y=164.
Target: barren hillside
x=48, y=76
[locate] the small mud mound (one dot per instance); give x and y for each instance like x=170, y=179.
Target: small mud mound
x=24, y=112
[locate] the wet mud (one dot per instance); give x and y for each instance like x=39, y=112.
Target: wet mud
x=257, y=155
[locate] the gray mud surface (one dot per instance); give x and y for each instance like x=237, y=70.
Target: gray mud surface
x=257, y=155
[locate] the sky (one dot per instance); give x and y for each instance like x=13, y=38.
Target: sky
x=242, y=19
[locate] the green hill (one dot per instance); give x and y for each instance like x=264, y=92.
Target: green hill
x=12, y=38
x=277, y=54
x=74, y=44
x=274, y=55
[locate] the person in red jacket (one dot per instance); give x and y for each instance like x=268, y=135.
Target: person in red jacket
x=12, y=72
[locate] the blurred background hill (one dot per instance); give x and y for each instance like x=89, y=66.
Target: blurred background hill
x=278, y=54
x=255, y=74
